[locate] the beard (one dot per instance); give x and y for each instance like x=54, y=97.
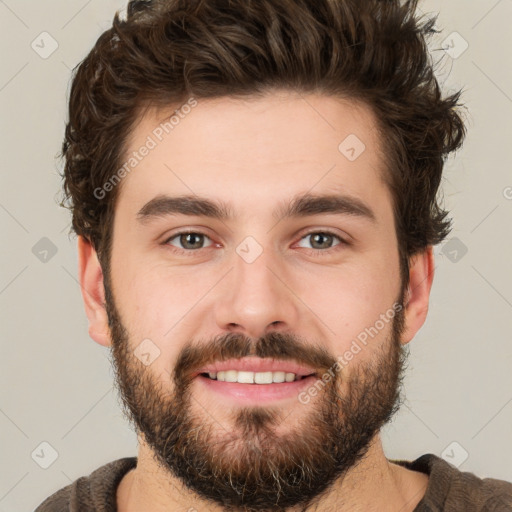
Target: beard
x=243, y=463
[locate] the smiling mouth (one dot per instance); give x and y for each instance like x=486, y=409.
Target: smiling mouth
x=248, y=377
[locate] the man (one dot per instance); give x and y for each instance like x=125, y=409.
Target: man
x=253, y=185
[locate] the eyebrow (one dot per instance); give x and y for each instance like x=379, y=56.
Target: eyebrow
x=302, y=205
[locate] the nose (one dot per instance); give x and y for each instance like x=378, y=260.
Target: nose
x=256, y=298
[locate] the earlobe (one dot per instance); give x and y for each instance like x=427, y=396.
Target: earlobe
x=93, y=292
x=416, y=300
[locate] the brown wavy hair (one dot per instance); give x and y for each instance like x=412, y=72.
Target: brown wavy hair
x=166, y=51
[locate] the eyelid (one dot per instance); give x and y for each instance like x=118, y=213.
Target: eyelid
x=187, y=232
x=343, y=237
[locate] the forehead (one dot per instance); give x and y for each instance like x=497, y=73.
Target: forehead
x=251, y=152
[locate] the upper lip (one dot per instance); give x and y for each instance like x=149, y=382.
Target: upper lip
x=257, y=364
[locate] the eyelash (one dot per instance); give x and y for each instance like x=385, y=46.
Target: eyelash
x=310, y=252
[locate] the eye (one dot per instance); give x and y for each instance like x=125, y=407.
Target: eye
x=188, y=240
x=322, y=241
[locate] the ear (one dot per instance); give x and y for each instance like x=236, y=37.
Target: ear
x=421, y=275
x=93, y=292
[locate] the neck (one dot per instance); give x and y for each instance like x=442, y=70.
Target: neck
x=374, y=484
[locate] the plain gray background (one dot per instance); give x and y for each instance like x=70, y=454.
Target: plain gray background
x=57, y=383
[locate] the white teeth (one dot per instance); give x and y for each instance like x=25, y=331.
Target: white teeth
x=230, y=375
x=279, y=376
x=263, y=377
x=245, y=377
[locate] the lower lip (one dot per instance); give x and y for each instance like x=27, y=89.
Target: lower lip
x=257, y=393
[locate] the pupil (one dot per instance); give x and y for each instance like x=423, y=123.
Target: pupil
x=187, y=240
x=320, y=236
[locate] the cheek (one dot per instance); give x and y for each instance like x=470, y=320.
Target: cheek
x=159, y=306
x=155, y=296
x=351, y=304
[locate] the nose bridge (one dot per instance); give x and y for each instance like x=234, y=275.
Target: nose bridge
x=254, y=297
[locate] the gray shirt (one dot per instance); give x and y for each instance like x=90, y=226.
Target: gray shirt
x=449, y=490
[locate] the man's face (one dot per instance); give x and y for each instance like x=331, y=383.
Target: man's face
x=314, y=297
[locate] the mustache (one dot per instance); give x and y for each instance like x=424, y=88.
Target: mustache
x=274, y=345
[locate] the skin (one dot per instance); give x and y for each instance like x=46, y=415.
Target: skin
x=255, y=155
